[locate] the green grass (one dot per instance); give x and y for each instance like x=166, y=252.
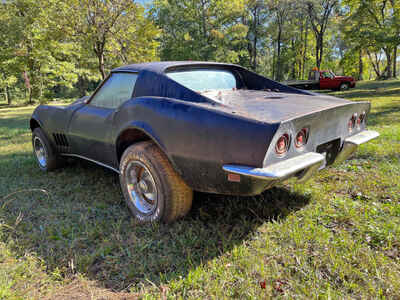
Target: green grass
x=68, y=233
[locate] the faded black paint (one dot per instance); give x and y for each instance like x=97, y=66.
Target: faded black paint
x=199, y=135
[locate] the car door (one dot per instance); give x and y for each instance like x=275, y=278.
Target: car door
x=326, y=81
x=91, y=126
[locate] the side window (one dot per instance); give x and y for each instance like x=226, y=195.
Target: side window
x=327, y=75
x=116, y=90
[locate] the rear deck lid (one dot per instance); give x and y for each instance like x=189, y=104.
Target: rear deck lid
x=272, y=107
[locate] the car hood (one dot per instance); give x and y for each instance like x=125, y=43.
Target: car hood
x=272, y=107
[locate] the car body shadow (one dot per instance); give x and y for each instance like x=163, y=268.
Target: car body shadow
x=81, y=225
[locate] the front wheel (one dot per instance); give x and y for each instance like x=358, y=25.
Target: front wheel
x=46, y=157
x=152, y=189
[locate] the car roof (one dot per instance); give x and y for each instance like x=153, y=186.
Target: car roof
x=161, y=67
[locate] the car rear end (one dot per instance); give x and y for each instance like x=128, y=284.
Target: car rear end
x=305, y=144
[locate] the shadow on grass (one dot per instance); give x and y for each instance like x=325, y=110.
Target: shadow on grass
x=84, y=226
x=385, y=111
x=81, y=224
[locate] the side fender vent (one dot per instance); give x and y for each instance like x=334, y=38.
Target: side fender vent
x=60, y=139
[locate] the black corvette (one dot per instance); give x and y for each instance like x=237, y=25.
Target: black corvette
x=169, y=128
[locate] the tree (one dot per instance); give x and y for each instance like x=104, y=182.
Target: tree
x=8, y=40
x=114, y=31
x=32, y=48
x=202, y=30
x=255, y=21
x=281, y=10
x=320, y=12
x=377, y=27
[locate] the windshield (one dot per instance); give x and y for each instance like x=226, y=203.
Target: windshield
x=203, y=80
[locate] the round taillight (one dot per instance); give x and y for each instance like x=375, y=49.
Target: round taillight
x=352, y=122
x=282, y=145
x=301, y=138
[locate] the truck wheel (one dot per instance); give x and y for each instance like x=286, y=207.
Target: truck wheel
x=344, y=86
x=152, y=189
x=46, y=157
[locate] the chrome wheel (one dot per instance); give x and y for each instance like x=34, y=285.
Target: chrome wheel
x=40, y=152
x=344, y=87
x=141, y=186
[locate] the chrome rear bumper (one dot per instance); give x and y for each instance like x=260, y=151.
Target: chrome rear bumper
x=351, y=144
x=282, y=170
x=302, y=166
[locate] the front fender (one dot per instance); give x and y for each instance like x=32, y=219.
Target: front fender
x=40, y=116
x=33, y=121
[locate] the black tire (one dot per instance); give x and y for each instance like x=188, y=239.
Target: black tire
x=344, y=86
x=48, y=160
x=172, y=198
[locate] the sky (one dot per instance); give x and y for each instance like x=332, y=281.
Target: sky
x=143, y=1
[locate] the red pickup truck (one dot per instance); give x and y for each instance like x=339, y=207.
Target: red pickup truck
x=323, y=80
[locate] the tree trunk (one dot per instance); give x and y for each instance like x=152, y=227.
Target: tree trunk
x=101, y=65
x=255, y=53
x=360, y=66
x=319, y=49
x=375, y=64
x=388, y=69
x=8, y=96
x=300, y=58
x=255, y=40
x=395, y=62
x=305, y=50
x=30, y=96
x=204, y=55
x=295, y=61
x=278, y=59
x=273, y=63
x=5, y=95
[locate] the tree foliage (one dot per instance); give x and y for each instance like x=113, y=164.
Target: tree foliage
x=202, y=30
x=50, y=44
x=374, y=25
x=114, y=31
x=50, y=47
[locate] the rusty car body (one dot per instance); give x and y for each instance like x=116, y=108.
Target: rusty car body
x=216, y=128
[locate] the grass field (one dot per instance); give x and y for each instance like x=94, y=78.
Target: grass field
x=68, y=234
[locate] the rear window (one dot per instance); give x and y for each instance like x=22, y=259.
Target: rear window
x=203, y=80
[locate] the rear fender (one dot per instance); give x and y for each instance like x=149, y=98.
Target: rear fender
x=198, y=138
x=143, y=127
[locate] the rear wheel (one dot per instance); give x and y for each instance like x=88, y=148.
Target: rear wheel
x=152, y=189
x=46, y=157
x=344, y=86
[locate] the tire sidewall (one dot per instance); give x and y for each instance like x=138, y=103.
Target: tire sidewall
x=133, y=154
x=38, y=133
x=344, y=87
